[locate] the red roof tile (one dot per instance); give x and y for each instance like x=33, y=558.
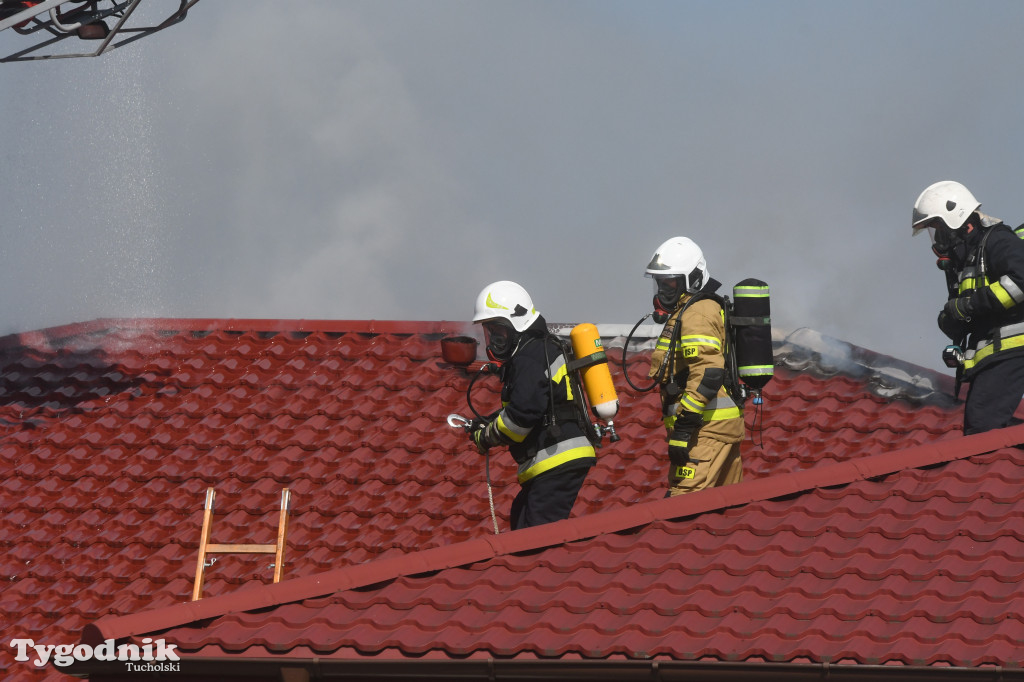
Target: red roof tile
x=876, y=561
x=111, y=431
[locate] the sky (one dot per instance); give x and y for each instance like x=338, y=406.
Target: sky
x=386, y=159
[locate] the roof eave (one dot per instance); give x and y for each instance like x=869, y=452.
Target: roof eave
x=487, y=547
x=531, y=670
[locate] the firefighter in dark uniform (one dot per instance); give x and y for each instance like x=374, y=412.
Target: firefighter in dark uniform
x=538, y=420
x=705, y=426
x=984, y=317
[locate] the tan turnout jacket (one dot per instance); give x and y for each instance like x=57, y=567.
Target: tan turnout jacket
x=701, y=346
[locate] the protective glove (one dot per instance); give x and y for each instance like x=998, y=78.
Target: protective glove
x=485, y=436
x=952, y=327
x=959, y=309
x=683, y=436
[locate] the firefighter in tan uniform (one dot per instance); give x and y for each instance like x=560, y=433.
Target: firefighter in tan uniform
x=704, y=424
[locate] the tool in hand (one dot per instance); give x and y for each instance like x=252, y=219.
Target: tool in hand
x=457, y=421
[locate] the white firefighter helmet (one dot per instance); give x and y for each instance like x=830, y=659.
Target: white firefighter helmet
x=680, y=257
x=508, y=301
x=948, y=201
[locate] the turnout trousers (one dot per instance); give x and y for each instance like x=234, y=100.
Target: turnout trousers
x=547, y=497
x=712, y=463
x=994, y=395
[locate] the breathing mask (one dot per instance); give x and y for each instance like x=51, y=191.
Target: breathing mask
x=947, y=247
x=501, y=340
x=667, y=290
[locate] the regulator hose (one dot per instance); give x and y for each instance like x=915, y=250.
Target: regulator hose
x=487, y=368
x=625, y=368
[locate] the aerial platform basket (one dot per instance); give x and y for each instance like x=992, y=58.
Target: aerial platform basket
x=46, y=24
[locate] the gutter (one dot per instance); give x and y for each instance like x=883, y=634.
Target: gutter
x=532, y=670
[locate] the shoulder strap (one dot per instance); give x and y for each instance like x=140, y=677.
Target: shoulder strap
x=708, y=292
x=981, y=253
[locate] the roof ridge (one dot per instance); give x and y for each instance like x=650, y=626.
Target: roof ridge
x=801, y=349
x=54, y=335
x=539, y=537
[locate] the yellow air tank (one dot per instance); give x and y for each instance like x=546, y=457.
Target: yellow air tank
x=597, y=379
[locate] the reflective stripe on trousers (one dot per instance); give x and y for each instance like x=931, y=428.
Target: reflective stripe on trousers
x=559, y=453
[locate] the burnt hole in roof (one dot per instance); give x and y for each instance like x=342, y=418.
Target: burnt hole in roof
x=807, y=350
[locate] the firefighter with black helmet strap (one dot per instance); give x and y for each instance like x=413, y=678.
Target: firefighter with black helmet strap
x=984, y=317
x=537, y=421
x=705, y=426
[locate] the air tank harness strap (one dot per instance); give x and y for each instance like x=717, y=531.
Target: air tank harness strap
x=582, y=363
x=592, y=359
x=563, y=413
x=567, y=412
x=749, y=321
x=669, y=363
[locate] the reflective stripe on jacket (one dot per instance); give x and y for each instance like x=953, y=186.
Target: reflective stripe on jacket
x=555, y=455
x=993, y=278
x=1011, y=337
x=528, y=380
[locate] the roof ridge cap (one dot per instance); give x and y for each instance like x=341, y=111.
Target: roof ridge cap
x=49, y=336
x=552, y=534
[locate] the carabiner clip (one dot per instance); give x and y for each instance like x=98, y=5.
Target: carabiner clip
x=457, y=421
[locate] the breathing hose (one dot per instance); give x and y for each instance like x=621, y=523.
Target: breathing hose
x=625, y=347
x=487, y=368
x=758, y=418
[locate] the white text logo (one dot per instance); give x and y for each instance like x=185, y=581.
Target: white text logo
x=66, y=654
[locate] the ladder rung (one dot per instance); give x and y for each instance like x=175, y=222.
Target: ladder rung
x=206, y=547
x=242, y=549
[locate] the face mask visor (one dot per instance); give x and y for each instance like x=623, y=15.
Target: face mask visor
x=943, y=243
x=668, y=289
x=500, y=339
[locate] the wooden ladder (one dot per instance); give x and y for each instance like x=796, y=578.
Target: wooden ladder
x=207, y=547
